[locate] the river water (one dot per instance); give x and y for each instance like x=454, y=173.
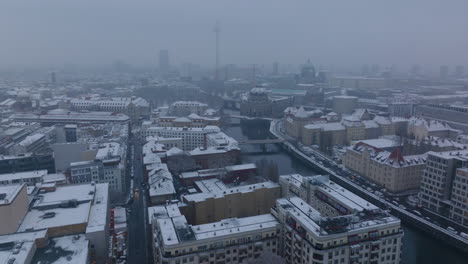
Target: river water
x=417, y=246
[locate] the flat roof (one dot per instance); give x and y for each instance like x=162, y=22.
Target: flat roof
x=198, y=197
x=35, y=219
x=82, y=192
x=23, y=175
x=229, y=226
x=99, y=210
x=9, y=192
x=67, y=249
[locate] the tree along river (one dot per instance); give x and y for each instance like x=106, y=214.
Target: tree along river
x=418, y=247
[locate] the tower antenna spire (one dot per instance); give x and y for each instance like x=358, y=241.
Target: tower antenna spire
x=217, y=30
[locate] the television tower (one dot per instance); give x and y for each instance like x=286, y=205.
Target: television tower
x=217, y=30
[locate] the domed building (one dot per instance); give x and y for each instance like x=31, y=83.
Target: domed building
x=23, y=101
x=308, y=74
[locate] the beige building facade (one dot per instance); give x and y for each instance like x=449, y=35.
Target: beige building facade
x=13, y=207
x=242, y=201
x=389, y=169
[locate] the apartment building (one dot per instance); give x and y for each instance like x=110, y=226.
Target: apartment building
x=167, y=142
x=420, y=128
x=324, y=223
x=70, y=210
x=192, y=137
x=364, y=236
x=192, y=120
x=442, y=184
x=459, y=198
x=233, y=240
x=382, y=162
x=108, y=166
x=27, y=162
x=134, y=107
x=161, y=184
x=297, y=118
x=27, y=177
x=184, y=108
x=13, y=207
x=324, y=134
x=63, y=116
x=217, y=201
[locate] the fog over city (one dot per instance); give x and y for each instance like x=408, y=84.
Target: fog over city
x=233, y=132
x=52, y=33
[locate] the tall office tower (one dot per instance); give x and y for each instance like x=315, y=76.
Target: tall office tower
x=459, y=71
x=443, y=71
x=217, y=30
x=365, y=70
x=415, y=70
x=439, y=181
x=275, y=68
x=53, y=78
x=375, y=70
x=70, y=132
x=164, y=61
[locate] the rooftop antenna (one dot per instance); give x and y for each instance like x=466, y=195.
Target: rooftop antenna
x=217, y=30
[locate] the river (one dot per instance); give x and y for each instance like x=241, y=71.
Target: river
x=418, y=247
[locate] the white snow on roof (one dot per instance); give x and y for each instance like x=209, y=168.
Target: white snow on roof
x=109, y=150
x=336, y=126
x=23, y=175
x=82, y=192
x=207, y=151
x=161, y=181
x=27, y=248
x=35, y=220
x=76, y=247
x=210, y=185
x=227, y=227
x=214, y=193
x=9, y=192
x=370, y=124
x=98, y=215
x=31, y=139
x=382, y=143
x=174, y=151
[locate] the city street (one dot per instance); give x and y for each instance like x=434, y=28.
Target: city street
x=139, y=250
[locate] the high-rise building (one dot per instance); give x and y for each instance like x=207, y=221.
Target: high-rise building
x=70, y=132
x=459, y=71
x=53, y=78
x=275, y=69
x=415, y=70
x=443, y=71
x=164, y=61
x=324, y=223
x=459, y=198
x=108, y=166
x=440, y=183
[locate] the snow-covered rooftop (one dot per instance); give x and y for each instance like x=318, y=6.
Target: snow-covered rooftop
x=99, y=210
x=23, y=175
x=39, y=219
x=216, y=190
x=67, y=249
x=9, y=192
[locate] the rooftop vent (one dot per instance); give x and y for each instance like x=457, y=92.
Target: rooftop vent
x=48, y=215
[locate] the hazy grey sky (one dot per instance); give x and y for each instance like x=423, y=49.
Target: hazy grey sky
x=50, y=33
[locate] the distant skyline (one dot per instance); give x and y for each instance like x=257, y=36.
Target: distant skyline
x=53, y=33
